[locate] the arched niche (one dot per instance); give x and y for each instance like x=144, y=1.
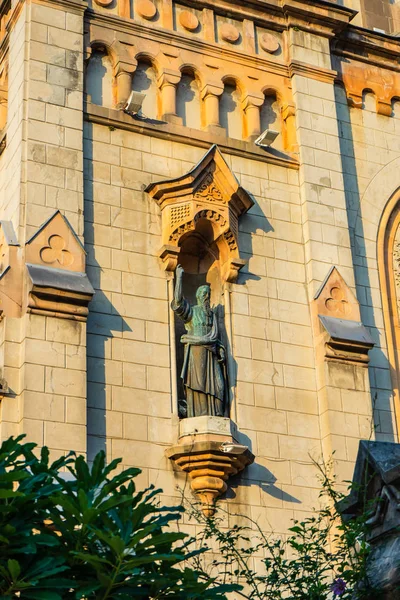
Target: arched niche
x=99, y=81
x=188, y=105
x=200, y=213
x=145, y=82
x=230, y=112
x=270, y=116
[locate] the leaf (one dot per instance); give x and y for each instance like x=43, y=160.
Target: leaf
x=14, y=568
x=37, y=594
x=10, y=494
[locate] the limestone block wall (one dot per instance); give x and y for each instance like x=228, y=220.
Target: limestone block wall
x=369, y=142
x=129, y=371
x=109, y=385
x=41, y=171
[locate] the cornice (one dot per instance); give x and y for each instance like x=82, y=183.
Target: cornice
x=76, y=6
x=180, y=41
x=119, y=120
x=319, y=73
x=330, y=18
x=369, y=47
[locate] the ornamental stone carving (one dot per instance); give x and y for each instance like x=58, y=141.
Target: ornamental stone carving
x=205, y=203
x=337, y=322
x=47, y=275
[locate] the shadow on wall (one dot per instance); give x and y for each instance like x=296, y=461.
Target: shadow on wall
x=379, y=373
x=258, y=475
x=104, y=323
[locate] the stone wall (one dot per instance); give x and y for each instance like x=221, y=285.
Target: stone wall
x=318, y=201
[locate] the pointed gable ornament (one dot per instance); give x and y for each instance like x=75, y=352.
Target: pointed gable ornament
x=57, y=283
x=46, y=276
x=338, y=321
x=208, y=194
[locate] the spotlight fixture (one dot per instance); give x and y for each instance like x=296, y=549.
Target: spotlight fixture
x=266, y=138
x=134, y=103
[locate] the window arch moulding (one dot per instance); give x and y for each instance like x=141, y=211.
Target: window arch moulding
x=389, y=276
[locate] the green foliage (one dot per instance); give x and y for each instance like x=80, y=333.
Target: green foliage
x=89, y=534
x=321, y=558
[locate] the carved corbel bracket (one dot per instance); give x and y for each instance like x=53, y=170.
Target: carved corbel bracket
x=210, y=456
x=205, y=203
x=338, y=322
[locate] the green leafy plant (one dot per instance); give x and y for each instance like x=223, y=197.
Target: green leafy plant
x=322, y=557
x=87, y=533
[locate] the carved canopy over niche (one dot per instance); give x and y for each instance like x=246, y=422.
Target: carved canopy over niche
x=200, y=214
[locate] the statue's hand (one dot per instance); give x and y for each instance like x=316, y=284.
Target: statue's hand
x=221, y=354
x=179, y=272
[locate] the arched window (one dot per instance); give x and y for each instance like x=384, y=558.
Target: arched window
x=230, y=114
x=188, y=101
x=270, y=116
x=145, y=82
x=99, y=79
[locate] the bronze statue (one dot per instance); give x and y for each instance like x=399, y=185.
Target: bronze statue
x=204, y=372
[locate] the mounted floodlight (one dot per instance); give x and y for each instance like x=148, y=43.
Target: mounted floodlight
x=232, y=448
x=134, y=103
x=266, y=138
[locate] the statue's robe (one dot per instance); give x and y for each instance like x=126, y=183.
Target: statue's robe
x=202, y=372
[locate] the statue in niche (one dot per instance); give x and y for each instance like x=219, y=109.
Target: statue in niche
x=204, y=369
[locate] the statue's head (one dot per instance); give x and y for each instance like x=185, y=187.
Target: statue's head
x=203, y=294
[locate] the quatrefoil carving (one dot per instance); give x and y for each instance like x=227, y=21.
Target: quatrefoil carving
x=56, y=252
x=337, y=302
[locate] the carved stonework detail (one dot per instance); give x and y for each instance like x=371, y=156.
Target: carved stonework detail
x=209, y=453
x=335, y=299
x=209, y=190
x=56, y=252
x=396, y=266
x=46, y=276
x=206, y=203
x=179, y=214
x=337, y=303
x=337, y=322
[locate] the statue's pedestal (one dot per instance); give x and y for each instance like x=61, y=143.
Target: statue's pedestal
x=209, y=453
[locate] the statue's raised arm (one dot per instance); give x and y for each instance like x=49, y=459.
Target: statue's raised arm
x=179, y=304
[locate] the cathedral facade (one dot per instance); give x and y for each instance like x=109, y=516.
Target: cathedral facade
x=200, y=243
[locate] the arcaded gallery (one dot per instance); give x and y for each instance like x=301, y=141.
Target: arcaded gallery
x=200, y=243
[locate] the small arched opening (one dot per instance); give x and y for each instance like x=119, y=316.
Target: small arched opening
x=271, y=116
x=188, y=100
x=145, y=82
x=230, y=112
x=99, y=82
